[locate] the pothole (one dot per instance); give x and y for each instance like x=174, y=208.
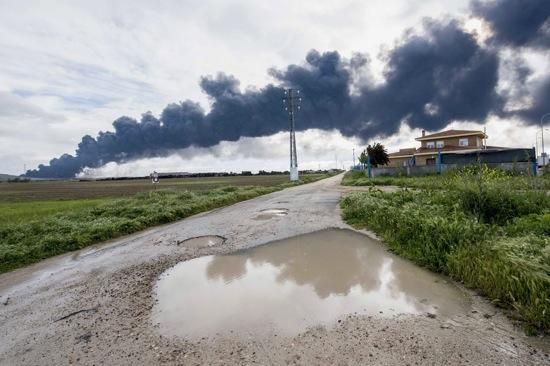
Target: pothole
x=289, y=285
x=271, y=213
x=202, y=241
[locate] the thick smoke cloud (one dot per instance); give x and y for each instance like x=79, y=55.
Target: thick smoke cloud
x=540, y=103
x=516, y=23
x=524, y=24
x=431, y=79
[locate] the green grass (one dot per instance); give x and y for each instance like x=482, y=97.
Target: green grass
x=487, y=230
x=38, y=230
x=15, y=212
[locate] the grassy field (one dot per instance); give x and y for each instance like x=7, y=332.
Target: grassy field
x=67, y=190
x=38, y=199
x=34, y=230
x=482, y=227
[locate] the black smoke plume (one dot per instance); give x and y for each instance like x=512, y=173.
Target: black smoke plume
x=523, y=24
x=516, y=23
x=431, y=79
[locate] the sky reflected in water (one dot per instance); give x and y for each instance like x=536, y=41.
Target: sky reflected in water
x=285, y=286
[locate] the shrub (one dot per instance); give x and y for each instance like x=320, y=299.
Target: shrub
x=533, y=223
x=495, y=204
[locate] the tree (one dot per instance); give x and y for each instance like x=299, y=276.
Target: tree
x=363, y=158
x=378, y=154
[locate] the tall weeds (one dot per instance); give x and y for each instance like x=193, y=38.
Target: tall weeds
x=483, y=227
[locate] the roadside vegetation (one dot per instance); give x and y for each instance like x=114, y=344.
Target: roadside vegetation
x=37, y=230
x=436, y=181
x=483, y=227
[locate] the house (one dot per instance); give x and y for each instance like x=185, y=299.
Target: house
x=445, y=142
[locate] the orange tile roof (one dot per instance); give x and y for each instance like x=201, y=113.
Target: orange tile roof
x=425, y=150
x=450, y=133
x=445, y=149
x=404, y=152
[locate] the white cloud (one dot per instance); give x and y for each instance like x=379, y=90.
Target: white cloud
x=24, y=124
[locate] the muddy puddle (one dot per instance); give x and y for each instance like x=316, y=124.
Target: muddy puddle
x=271, y=213
x=202, y=241
x=286, y=286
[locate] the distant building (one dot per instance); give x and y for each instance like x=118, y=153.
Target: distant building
x=445, y=142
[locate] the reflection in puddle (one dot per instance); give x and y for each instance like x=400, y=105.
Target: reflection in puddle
x=271, y=213
x=286, y=286
x=203, y=241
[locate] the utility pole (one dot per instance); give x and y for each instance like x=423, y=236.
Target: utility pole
x=353, y=159
x=292, y=100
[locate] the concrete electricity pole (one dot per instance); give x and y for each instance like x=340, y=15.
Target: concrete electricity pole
x=353, y=159
x=292, y=100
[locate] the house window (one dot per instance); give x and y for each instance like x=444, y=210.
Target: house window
x=430, y=161
x=463, y=142
x=440, y=144
x=430, y=144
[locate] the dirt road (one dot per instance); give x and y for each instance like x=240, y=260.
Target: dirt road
x=96, y=306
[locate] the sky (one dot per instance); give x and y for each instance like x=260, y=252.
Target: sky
x=70, y=68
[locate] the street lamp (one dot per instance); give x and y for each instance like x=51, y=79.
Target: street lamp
x=542, y=138
x=537, y=139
